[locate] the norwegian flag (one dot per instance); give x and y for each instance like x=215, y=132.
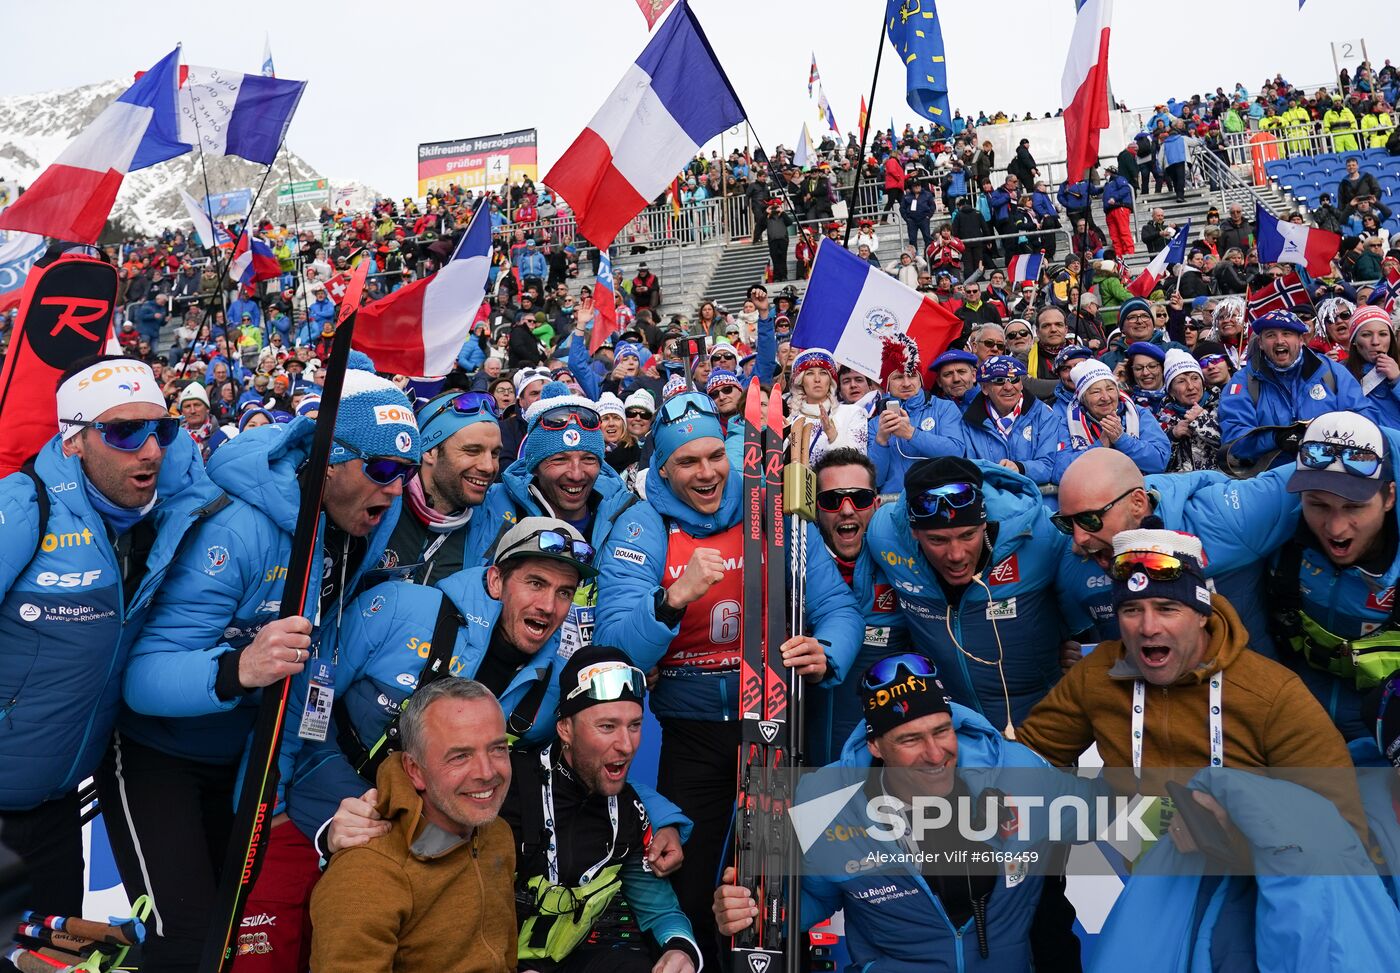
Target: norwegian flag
x=1386, y=294
x=1280, y=294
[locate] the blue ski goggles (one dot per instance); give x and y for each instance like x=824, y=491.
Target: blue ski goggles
x=1356, y=460
x=888, y=670
x=927, y=505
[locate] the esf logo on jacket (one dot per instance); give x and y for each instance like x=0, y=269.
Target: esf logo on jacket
x=69, y=579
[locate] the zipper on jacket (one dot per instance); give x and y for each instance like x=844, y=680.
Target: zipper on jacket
x=5, y=710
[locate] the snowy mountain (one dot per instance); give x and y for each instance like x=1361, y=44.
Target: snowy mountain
x=35, y=128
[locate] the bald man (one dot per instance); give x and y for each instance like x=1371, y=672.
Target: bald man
x=1239, y=522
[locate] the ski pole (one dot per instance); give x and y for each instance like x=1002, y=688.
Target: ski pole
x=119, y=932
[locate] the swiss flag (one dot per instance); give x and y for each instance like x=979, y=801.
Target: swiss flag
x=337, y=286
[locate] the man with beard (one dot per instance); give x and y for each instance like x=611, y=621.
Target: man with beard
x=568, y=801
x=561, y=473
x=214, y=639
x=87, y=533
x=436, y=884
x=448, y=525
x=846, y=500
x=1283, y=385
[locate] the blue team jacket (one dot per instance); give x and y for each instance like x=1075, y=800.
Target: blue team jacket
x=65, y=626
x=1169, y=918
x=1019, y=612
x=222, y=588
x=1240, y=523
x=936, y=423
x=1284, y=398
x=632, y=568
x=1034, y=439
x=894, y=921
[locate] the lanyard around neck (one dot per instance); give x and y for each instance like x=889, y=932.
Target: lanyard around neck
x=552, y=848
x=1215, y=723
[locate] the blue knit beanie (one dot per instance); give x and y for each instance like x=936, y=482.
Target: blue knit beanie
x=375, y=419
x=359, y=360
x=695, y=418
x=541, y=443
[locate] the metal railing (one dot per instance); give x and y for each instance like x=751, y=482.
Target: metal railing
x=1225, y=181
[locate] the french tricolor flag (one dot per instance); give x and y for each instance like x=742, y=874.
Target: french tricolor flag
x=1025, y=268
x=1295, y=243
x=604, y=304
x=232, y=113
x=671, y=101
x=850, y=307
x=419, y=328
x=73, y=197
x=1084, y=85
x=1172, y=253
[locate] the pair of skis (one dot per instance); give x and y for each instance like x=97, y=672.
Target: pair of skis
x=770, y=704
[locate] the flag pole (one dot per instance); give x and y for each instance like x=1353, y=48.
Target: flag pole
x=296, y=230
x=219, y=268
x=864, y=132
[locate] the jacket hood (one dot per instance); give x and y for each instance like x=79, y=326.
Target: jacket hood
x=517, y=480
x=467, y=590
x=668, y=505
x=1228, y=638
x=399, y=802
x=260, y=466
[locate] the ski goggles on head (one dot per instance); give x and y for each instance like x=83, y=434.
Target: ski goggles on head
x=1089, y=520
x=1154, y=564
x=687, y=404
x=467, y=404
x=886, y=672
x=943, y=499
x=381, y=470
x=832, y=500
x=129, y=435
x=611, y=683
x=1356, y=460
x=552, y=542
x=563, y=416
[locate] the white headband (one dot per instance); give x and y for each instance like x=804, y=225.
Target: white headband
x=103, y=386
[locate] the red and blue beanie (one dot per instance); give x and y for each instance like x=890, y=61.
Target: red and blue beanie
x=375, y=419
x=542, y=443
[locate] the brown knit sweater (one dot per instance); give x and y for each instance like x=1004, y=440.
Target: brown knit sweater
x=384, y=906
x=1270, y=718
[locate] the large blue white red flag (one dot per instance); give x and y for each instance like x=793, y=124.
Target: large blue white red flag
x=253, y=260
x=1173, y=253
x=851, y=307
x=73, y=197
x=1294, y=243
x=1084, y=85
x=419, y=328
x=1025, y=267
x=232, y=113
x=672, y=100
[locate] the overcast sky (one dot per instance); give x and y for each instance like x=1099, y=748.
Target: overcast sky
x=386, y=76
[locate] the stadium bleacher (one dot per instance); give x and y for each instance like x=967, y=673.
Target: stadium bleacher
x=1306, y=178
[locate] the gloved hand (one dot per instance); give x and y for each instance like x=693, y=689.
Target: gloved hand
x=1288, y=439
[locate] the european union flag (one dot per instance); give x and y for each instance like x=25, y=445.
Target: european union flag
x=917, y=37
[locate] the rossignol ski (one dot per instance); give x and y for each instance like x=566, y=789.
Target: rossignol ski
x=253, y=814
x=763, y=849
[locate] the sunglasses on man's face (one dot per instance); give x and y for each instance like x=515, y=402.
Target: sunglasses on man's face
x=1017, y=335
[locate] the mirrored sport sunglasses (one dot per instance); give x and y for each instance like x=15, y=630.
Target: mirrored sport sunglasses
x=566, y=415
x=552, y=542
x=887, y=671
x=1089, y=520
x=129, y=435
x=945, y=498
x=1156, y=565
x=831, y=500
x=612, y=683
x=1356, y=460
x=1210, y=360
x=382, y=470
